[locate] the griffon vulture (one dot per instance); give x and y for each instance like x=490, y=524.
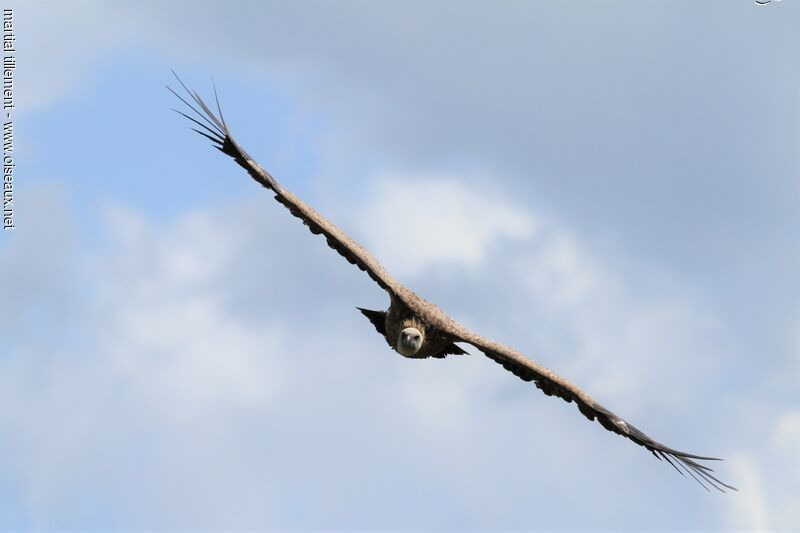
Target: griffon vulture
x=418, y=329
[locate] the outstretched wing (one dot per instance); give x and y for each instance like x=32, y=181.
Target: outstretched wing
x=554, y=385
x=215, y=129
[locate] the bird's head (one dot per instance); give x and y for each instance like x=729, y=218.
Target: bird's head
x=409, y=341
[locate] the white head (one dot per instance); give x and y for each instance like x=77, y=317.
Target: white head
x=409, y=341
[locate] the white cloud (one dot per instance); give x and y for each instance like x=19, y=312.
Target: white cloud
x=157, y=293
x=415, y=221
x=784, y=448
x=151, y=361
x=785, y=438
x=206, y=367
x=768, y=477
x=562, y=273
x=750, y=510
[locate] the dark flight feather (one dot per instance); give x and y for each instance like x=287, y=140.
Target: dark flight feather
x=378, y=319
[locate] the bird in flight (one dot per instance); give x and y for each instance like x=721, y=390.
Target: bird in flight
x=415, y=327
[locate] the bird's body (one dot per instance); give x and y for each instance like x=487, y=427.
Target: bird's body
x=436, y=341
x=418, y=329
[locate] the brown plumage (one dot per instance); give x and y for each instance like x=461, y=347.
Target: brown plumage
x=411, y=313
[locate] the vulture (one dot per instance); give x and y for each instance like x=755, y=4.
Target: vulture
x=415, y=327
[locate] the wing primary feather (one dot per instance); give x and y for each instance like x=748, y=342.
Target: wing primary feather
x=693, y=463
x=710, y=478
x=229, y=146
x=190, y=106
x=199, y=101
x=688, y=466
x=208, y=111
x=219, y=108
x=693, y=456
x=207, y=136
x=688, y=471
x=218, y=138
x=661, y=454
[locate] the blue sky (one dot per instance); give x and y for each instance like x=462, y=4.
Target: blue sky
x=611, y=187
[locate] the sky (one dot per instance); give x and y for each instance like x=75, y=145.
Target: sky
x=613, y=188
